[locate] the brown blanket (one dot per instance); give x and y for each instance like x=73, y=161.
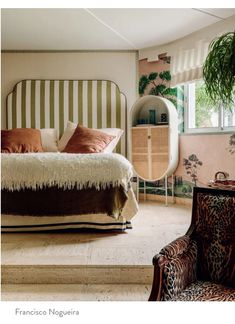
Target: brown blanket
x=59, y=202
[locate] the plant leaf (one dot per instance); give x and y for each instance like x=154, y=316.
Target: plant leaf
x=143, y=82
x=165, y=75
x=152, y=76
x=219, y=70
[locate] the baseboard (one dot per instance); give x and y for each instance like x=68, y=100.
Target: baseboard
x=160, y=198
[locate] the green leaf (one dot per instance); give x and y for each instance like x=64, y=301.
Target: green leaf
x=219, y=70
x=152, y=76
x=160, y=89
x=165, y=75
x=170, y=92
x=143, y=83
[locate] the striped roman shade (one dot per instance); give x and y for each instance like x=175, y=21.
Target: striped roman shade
x=51, y=103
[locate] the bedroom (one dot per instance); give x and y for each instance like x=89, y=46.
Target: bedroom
x=95, y=81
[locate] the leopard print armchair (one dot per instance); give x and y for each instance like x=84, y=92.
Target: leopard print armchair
x=200, y=265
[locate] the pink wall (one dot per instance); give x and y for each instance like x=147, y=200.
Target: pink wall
x=146, y=67
x=212, y=150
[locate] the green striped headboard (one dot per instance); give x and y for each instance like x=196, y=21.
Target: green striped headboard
x=51, y=103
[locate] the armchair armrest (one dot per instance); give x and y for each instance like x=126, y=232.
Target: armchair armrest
x=174, y=268
x=177, y=247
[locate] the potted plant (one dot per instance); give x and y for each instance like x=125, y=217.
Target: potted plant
x=219, y=70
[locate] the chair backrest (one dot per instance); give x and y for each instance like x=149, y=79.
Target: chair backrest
x=213, y=228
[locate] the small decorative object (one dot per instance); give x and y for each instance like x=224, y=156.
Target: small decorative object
x=222, y=181
x=163, y=118
x=152, y=116
x=142, y=121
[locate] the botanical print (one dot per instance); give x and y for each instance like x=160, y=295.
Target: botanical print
x=191, y=166
x=182, y=188
x=212, y=150
x=155, y=80
x=232, y=144
x=159, y=85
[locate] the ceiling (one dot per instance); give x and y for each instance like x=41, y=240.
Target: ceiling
x=102, y=29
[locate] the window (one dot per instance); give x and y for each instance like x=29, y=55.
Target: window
x=201, y=115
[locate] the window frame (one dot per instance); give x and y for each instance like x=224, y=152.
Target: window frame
x=202, y=130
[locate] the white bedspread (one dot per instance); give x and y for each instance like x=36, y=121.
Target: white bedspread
x=36, y=170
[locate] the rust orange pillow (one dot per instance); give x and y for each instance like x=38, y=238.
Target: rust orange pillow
x=21, y=140
x=87, y=140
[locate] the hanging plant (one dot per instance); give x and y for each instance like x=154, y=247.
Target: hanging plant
x=219, y=70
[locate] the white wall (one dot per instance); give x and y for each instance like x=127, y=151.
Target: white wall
x=120, y=67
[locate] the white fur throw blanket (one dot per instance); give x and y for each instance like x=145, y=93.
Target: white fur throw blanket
x=64, y=170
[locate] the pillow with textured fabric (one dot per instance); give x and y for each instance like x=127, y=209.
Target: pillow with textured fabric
x=117, y=132
x=21, y=140
x=87, y=140
x=49, y=137
x=70, y=128
x=68, y=133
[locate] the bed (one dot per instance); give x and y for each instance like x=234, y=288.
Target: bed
x=83, y=191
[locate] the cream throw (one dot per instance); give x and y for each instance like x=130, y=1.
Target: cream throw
x=36, y=170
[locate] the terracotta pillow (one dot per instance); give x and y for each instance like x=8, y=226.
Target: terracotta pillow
x=87, y=140
x=21, y=140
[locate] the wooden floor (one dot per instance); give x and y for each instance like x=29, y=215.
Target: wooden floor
x=33, y=263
